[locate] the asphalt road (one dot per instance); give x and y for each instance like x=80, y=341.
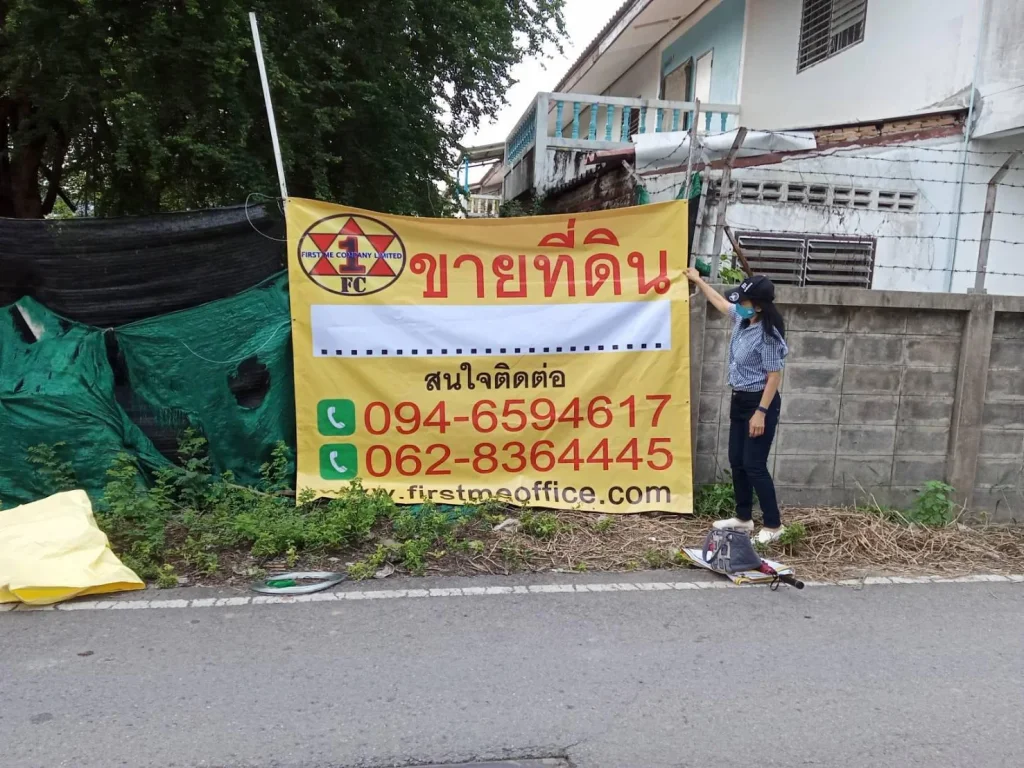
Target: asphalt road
x=910, y=675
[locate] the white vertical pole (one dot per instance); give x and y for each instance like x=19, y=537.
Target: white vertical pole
x=266, y=97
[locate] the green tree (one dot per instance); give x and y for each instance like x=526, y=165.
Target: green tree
x=137, y=107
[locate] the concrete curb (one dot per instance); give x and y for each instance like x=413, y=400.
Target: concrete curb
x=488, y=591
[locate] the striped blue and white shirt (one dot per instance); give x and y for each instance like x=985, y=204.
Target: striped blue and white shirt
x=753, y=355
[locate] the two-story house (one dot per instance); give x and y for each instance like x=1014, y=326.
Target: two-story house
x=885, y=130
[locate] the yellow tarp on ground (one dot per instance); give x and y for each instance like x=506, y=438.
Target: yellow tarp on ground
x=52, y=550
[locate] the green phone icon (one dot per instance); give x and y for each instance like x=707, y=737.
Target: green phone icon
x=336, y=418
x=338, y=461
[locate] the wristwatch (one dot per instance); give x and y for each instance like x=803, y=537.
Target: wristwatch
x=762, y=409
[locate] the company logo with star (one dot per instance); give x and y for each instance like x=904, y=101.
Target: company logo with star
x=351, y=254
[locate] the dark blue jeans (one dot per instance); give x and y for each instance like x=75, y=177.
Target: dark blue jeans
x=748, y=457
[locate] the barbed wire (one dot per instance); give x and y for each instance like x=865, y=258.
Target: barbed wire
x=958, y=150
x=847, y=208
x=908, y=268
x=782, y=167
x=839, y=152
x=748, y=230
x=833, y=174
x=736, y=193
x=834, y=154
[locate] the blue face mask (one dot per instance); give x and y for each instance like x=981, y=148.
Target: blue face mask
x=745, y=312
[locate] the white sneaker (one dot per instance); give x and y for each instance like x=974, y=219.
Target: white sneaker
x=734, y=524
x=768, y=535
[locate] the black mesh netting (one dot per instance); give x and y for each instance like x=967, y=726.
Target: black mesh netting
x=108, y=272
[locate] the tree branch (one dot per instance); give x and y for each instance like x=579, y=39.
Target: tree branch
x=54, y=176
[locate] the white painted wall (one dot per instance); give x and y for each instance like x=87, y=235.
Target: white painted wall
x=1001, y=75
x=1003, y=257
x=913, y=250
x=641, y=80
x=915, y=54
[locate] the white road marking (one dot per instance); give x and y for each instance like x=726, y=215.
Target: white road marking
x=453, y=592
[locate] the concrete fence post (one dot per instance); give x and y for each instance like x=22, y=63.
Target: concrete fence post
x=969, y=401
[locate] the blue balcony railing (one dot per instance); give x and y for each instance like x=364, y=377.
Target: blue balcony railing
x=574, y=121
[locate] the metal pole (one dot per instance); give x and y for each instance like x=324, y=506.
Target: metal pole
x=968, y=132
x=723, y=202
x=739, y=251
x=693, y=144
x=270, y=108
x=986, y=222
x=698, y=230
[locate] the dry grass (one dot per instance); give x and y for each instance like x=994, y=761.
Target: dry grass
x=839, y=543
x=848, y=543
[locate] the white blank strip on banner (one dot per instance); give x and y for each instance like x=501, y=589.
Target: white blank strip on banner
x=445, y=331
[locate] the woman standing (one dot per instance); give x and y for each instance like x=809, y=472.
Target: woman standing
x=757, y=351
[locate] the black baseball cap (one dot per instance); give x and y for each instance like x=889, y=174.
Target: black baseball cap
x=756, y=288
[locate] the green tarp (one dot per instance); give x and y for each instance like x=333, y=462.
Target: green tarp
x=226, y=368
x=58, y=389
x=223, y=368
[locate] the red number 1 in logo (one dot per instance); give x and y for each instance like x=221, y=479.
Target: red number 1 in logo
x=350, y=245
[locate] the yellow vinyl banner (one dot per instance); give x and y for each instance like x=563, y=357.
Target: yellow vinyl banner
x=541, y=360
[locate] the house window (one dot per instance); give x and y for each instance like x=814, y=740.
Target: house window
x=828, y=27
x=676, y=86
x=811, y=260
x=702, y=78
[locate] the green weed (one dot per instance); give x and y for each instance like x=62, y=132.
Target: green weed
x=934, y=505
x=658, y=558
x=792, y=537
x=604, y=524
x=730, y=275
x=57, y=473
x=200, y=554
x=714, y=501
x=425, y=534
x=166, y=577
x=208, y=515
x=540, y=525
x=680, y=559
x=513, y=555
x=368, y=567
x=275, y=472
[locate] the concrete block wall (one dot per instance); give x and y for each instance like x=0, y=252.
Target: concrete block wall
x=999, y=483
x=882, y=392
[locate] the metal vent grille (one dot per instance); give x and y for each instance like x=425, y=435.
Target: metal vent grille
x=828, y=27
x=839, y=262
x=780, y=258
x=810, y=259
